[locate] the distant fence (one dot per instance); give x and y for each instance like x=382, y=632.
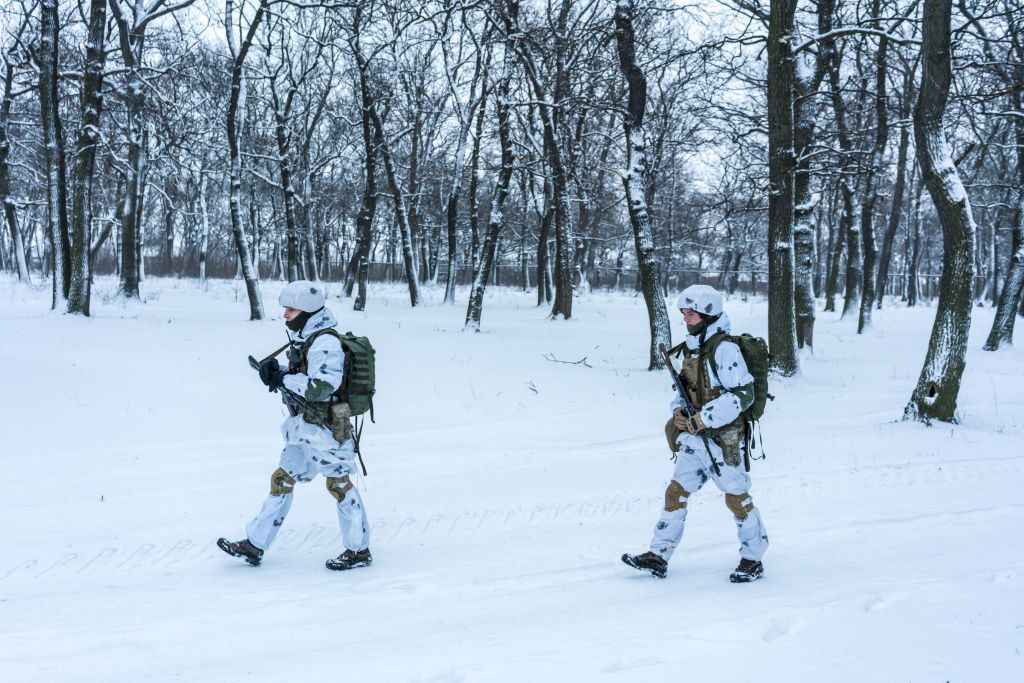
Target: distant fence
x=744, y=282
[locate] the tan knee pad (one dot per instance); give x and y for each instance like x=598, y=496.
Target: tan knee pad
x=675, y=496
x=339, y=486
x=740, y=505
x=281, y=483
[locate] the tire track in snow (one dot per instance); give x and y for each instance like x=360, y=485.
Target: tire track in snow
x=468, y=521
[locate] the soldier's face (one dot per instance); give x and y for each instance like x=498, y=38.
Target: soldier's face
x=290, y=313
x=690, y=316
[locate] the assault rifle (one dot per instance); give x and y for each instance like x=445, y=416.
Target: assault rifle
x=681, y=383
x=297, y=403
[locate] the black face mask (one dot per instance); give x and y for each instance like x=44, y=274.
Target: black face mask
x=699, y=328
x=298, y=322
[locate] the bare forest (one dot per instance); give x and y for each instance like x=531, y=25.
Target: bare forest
x=830, y=155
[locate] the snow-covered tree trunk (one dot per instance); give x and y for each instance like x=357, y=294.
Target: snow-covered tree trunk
x=1010, y=296
x=634, y=182
x=548, y=106
x=53, y=150
x=896, y=208
x=939, y=384
x=867, y=213
x=455, y=191
x=485, y=261
x=781, y=166
x=85, y=158
x=474, y=181
x=807, y=79
x=239, y=54
x=356, y=273
x=913, y=276
x=544, y=294
x=9, y=208
x=281, y=138
x=204, y=240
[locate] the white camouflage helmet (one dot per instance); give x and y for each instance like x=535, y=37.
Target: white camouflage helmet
x=302, y=294
x=702, y=298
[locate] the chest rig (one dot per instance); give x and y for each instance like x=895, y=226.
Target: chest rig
x=695, y=371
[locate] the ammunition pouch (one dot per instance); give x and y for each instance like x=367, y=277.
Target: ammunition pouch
x=671, y=434
x=729, y=439
x=338, y=415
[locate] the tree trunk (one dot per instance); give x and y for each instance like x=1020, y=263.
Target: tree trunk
x=9, y=208
x=544, y=294
x=85, y=159
x=485, y=262
x=359, y=264
x=401, y=215
x=939, y=384
x=204, y=242
x=1010, y=296
x=548, y=109
x=896, y=210
x=252, y=284
x=848, y=226
x=634, y=182
x=781, y=165
x=867, y=213
x=53, y=151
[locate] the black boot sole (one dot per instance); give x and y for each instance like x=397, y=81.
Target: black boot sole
x=225, y=545
x=346, y=567
x=631, y=561
x=746, y=578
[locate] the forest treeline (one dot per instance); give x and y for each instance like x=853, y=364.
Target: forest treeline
x=829, y=152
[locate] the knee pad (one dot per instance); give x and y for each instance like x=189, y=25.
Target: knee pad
x=281, y=483
x=339, y=486
x=741, y=505
x=675, y=497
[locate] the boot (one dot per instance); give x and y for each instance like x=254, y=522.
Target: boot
x=243, y=548
x=747, y=571
x=648, y=562
x=350, y=559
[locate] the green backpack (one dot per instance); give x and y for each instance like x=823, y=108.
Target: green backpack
x=358, y=386
x=755, y=354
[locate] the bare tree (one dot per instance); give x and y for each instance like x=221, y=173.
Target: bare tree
x=939, y=384
x=53, y=151
x=238, y=47
x=85, y=158
x=634, y=182
x=781, y=166
x=9, y=207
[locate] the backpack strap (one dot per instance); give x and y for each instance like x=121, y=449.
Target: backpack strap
x=712, y=347
x=308, y=344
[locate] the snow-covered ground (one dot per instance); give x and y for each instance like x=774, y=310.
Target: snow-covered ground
x=503, y=488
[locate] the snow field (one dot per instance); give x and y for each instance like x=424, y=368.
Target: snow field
x=503, y=488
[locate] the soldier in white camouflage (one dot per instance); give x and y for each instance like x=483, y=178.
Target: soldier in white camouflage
x=315, y=371
x=719, y=393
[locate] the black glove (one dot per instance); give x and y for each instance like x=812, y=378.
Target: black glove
x=272, y=375
x=276, y=380
x=267, y=370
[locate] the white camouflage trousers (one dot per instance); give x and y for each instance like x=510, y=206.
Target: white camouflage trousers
x=302, y=463
x=693, y=469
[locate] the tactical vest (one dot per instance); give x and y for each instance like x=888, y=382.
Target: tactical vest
x=695, y=371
